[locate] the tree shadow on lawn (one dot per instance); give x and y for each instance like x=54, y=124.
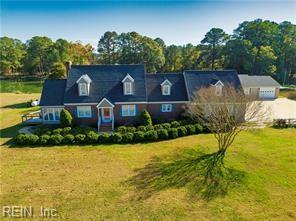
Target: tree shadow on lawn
x=204, y=175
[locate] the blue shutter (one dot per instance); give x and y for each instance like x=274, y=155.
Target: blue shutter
x=161, y=108
x=136, y=109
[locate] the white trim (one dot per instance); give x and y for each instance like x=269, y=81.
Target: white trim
x=166, y=110
x=129, y=77
x=130, y=102
x=168, y=91
x=153, y=102
x=85, y=77
x=79, y=104
x=52, y=106
x=84, y=116
x=166, y=81
x=168, y=102
x=218, y=82
x=85, y=86
x=104, y=99
x=125, y=91
x=129, y=113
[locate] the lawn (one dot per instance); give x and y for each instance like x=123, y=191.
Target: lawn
x=143, y=181
x=20, y=86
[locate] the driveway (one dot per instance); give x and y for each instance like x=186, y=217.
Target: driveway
x=281, y=108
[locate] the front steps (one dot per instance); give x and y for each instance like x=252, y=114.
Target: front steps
x=105, y=128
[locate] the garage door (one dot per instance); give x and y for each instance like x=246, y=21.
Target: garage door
x=267, y=93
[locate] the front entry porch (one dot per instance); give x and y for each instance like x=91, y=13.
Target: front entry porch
x=105, y=116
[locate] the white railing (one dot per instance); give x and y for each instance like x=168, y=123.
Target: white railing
x=99, y=124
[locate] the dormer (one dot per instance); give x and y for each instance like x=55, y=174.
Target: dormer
x=218, y=86
x=166, y=87
x=128, y=85
x=84, y=85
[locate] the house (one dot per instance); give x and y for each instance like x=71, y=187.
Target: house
x=109, y=95
x=264, y=87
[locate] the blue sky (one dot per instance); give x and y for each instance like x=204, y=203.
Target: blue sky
x=176, y=22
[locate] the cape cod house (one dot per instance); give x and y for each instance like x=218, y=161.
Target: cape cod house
x=105, y=95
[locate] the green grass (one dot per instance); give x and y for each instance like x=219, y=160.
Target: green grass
x=156, y=181
x=20, y=86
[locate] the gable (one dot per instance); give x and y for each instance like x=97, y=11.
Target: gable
x=105, y=103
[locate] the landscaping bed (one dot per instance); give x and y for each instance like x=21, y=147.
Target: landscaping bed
x=86, y=135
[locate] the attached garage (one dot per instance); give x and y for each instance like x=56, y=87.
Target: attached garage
x=264, y=87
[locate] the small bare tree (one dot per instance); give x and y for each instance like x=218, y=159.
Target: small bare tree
x=226, y=113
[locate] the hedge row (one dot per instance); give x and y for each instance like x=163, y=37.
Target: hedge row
x=173, y=124
x=91, y=137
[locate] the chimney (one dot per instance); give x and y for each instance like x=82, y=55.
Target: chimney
x=68, y=66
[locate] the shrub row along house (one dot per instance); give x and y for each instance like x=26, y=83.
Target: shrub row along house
x=108, y=95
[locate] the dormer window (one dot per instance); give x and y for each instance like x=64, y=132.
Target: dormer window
x=219, y=90
x=166, y=87
x=84, y=85
x=218, y=87
x=128, y=85
x=82, y=89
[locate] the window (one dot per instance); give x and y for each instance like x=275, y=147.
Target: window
x=82, y=89
x=84, y=111
x=128, y=110
x=247, y=90
x=219, y=90
x=51, y=114
x=166, y=107
x=166, y=90
x=128, y=88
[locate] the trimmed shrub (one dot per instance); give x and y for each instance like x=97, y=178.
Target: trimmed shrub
x=149, y=128
x=68, y=139
x=175, y=124
x=121, y=129
x=127, y=137
x=56, y=139
x=166, y=125
x=173, y=133
x=145, y=118
x=163, y=134
x=26, y=139
x=131, y=129
x=182, y=131
x=92, y=137
x=104, y=138
x=57, y=131
x=158, y=127
x=115, y=138
x=65, y=118
x=79, y=138
x=190, y=129
x=44, y=139
x=48, y=132
x=139, y=136
x=141, y=128
x=77, y=130
x=198, y=128
x=151, y=135
x=66, y=130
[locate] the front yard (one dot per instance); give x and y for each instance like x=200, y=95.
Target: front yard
x=102, y=182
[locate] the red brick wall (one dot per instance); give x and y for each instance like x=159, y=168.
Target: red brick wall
x=93, y=121
x=156, y=114
x=153, y=109
x=119, y=120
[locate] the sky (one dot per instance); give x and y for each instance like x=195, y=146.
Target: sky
x=176, y=22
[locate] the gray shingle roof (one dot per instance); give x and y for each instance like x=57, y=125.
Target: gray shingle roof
x=178, y=89
x=198, y=79
x=53, y=92
x=258, y=81
x=106, y=82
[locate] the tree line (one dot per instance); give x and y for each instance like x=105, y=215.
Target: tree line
x=258, y=47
